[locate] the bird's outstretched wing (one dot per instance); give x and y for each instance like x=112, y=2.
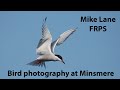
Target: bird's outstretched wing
x=45, y=34
x=62, y=38
x=44, y=45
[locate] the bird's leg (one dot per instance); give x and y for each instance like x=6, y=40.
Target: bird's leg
x=44, y=65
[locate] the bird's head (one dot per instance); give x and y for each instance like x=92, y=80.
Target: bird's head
x=60, y=57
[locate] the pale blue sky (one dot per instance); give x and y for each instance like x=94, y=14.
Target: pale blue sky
x=20, y=32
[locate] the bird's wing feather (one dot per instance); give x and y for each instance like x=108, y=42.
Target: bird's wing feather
x=62, y=38
x=45, y=34
x=44, y=45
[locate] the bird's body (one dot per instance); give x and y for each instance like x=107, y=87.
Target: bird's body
x=45, y=48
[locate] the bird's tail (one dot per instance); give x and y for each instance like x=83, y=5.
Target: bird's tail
x=37, y=63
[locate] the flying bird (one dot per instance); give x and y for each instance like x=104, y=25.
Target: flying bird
x=45, y=47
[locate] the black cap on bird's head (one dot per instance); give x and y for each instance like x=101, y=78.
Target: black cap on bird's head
x=60, y=57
